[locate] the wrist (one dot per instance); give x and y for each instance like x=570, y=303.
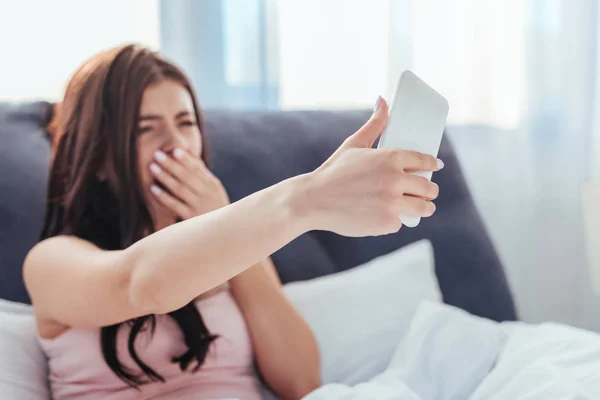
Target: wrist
x=298, y=203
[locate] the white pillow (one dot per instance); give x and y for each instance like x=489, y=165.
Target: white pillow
x=23, y=367
x=359, y=316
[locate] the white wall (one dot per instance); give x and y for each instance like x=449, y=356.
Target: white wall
x=43, y=42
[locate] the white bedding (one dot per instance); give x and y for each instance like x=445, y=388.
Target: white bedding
x=451, y=355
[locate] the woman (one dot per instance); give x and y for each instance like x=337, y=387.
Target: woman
x=147, y=283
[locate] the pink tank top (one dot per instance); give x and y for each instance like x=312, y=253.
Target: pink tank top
x=78, y=370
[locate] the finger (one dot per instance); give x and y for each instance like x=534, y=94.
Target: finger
x=200, y=177
x=178, y=188
x=172, y=166
x=415, y=207
x=372, y=129
x=413, y=161
x=192, y=164
x=420, y=187
x=171, y=202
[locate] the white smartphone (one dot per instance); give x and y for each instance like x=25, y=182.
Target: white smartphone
x=417, y=118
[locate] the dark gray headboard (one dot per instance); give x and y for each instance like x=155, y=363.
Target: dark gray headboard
x=250, y=151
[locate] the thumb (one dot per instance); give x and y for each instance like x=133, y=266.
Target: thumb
x=370, y=131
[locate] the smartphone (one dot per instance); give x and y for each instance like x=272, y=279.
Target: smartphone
x=417, y=118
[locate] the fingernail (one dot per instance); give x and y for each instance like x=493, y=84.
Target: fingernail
x=434, y=207
x=377, y=104
x=160, y=156
x=155, y=189
x=155, y=168
x=178, y=153
x=440, y=164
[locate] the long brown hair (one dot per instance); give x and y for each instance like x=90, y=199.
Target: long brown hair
x=93, y=126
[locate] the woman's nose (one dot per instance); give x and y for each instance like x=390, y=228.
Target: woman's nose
x=176, y=140
x=180, y=142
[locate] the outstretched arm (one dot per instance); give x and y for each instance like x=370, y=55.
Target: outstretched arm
x=359, y=191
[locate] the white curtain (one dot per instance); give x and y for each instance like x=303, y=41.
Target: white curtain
x=469, y=50
x=522, y=79
x=229, y=48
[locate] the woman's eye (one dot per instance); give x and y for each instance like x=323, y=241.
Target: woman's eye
x=188, y=123
x=144, y=129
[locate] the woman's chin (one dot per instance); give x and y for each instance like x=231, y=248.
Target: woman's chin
x=161, y=214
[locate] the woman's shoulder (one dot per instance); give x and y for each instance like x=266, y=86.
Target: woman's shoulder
x=39, y=262
x=62, y=241
x=57, y=247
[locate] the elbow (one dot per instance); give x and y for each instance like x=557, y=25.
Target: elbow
x=142, y=297
x=142, y=286
x=303, y=387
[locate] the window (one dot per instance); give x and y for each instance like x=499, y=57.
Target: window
x=43, y=42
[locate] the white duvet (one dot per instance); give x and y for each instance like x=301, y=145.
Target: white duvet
x=451, y=355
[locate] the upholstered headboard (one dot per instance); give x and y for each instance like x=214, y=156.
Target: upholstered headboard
x=250, y=151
